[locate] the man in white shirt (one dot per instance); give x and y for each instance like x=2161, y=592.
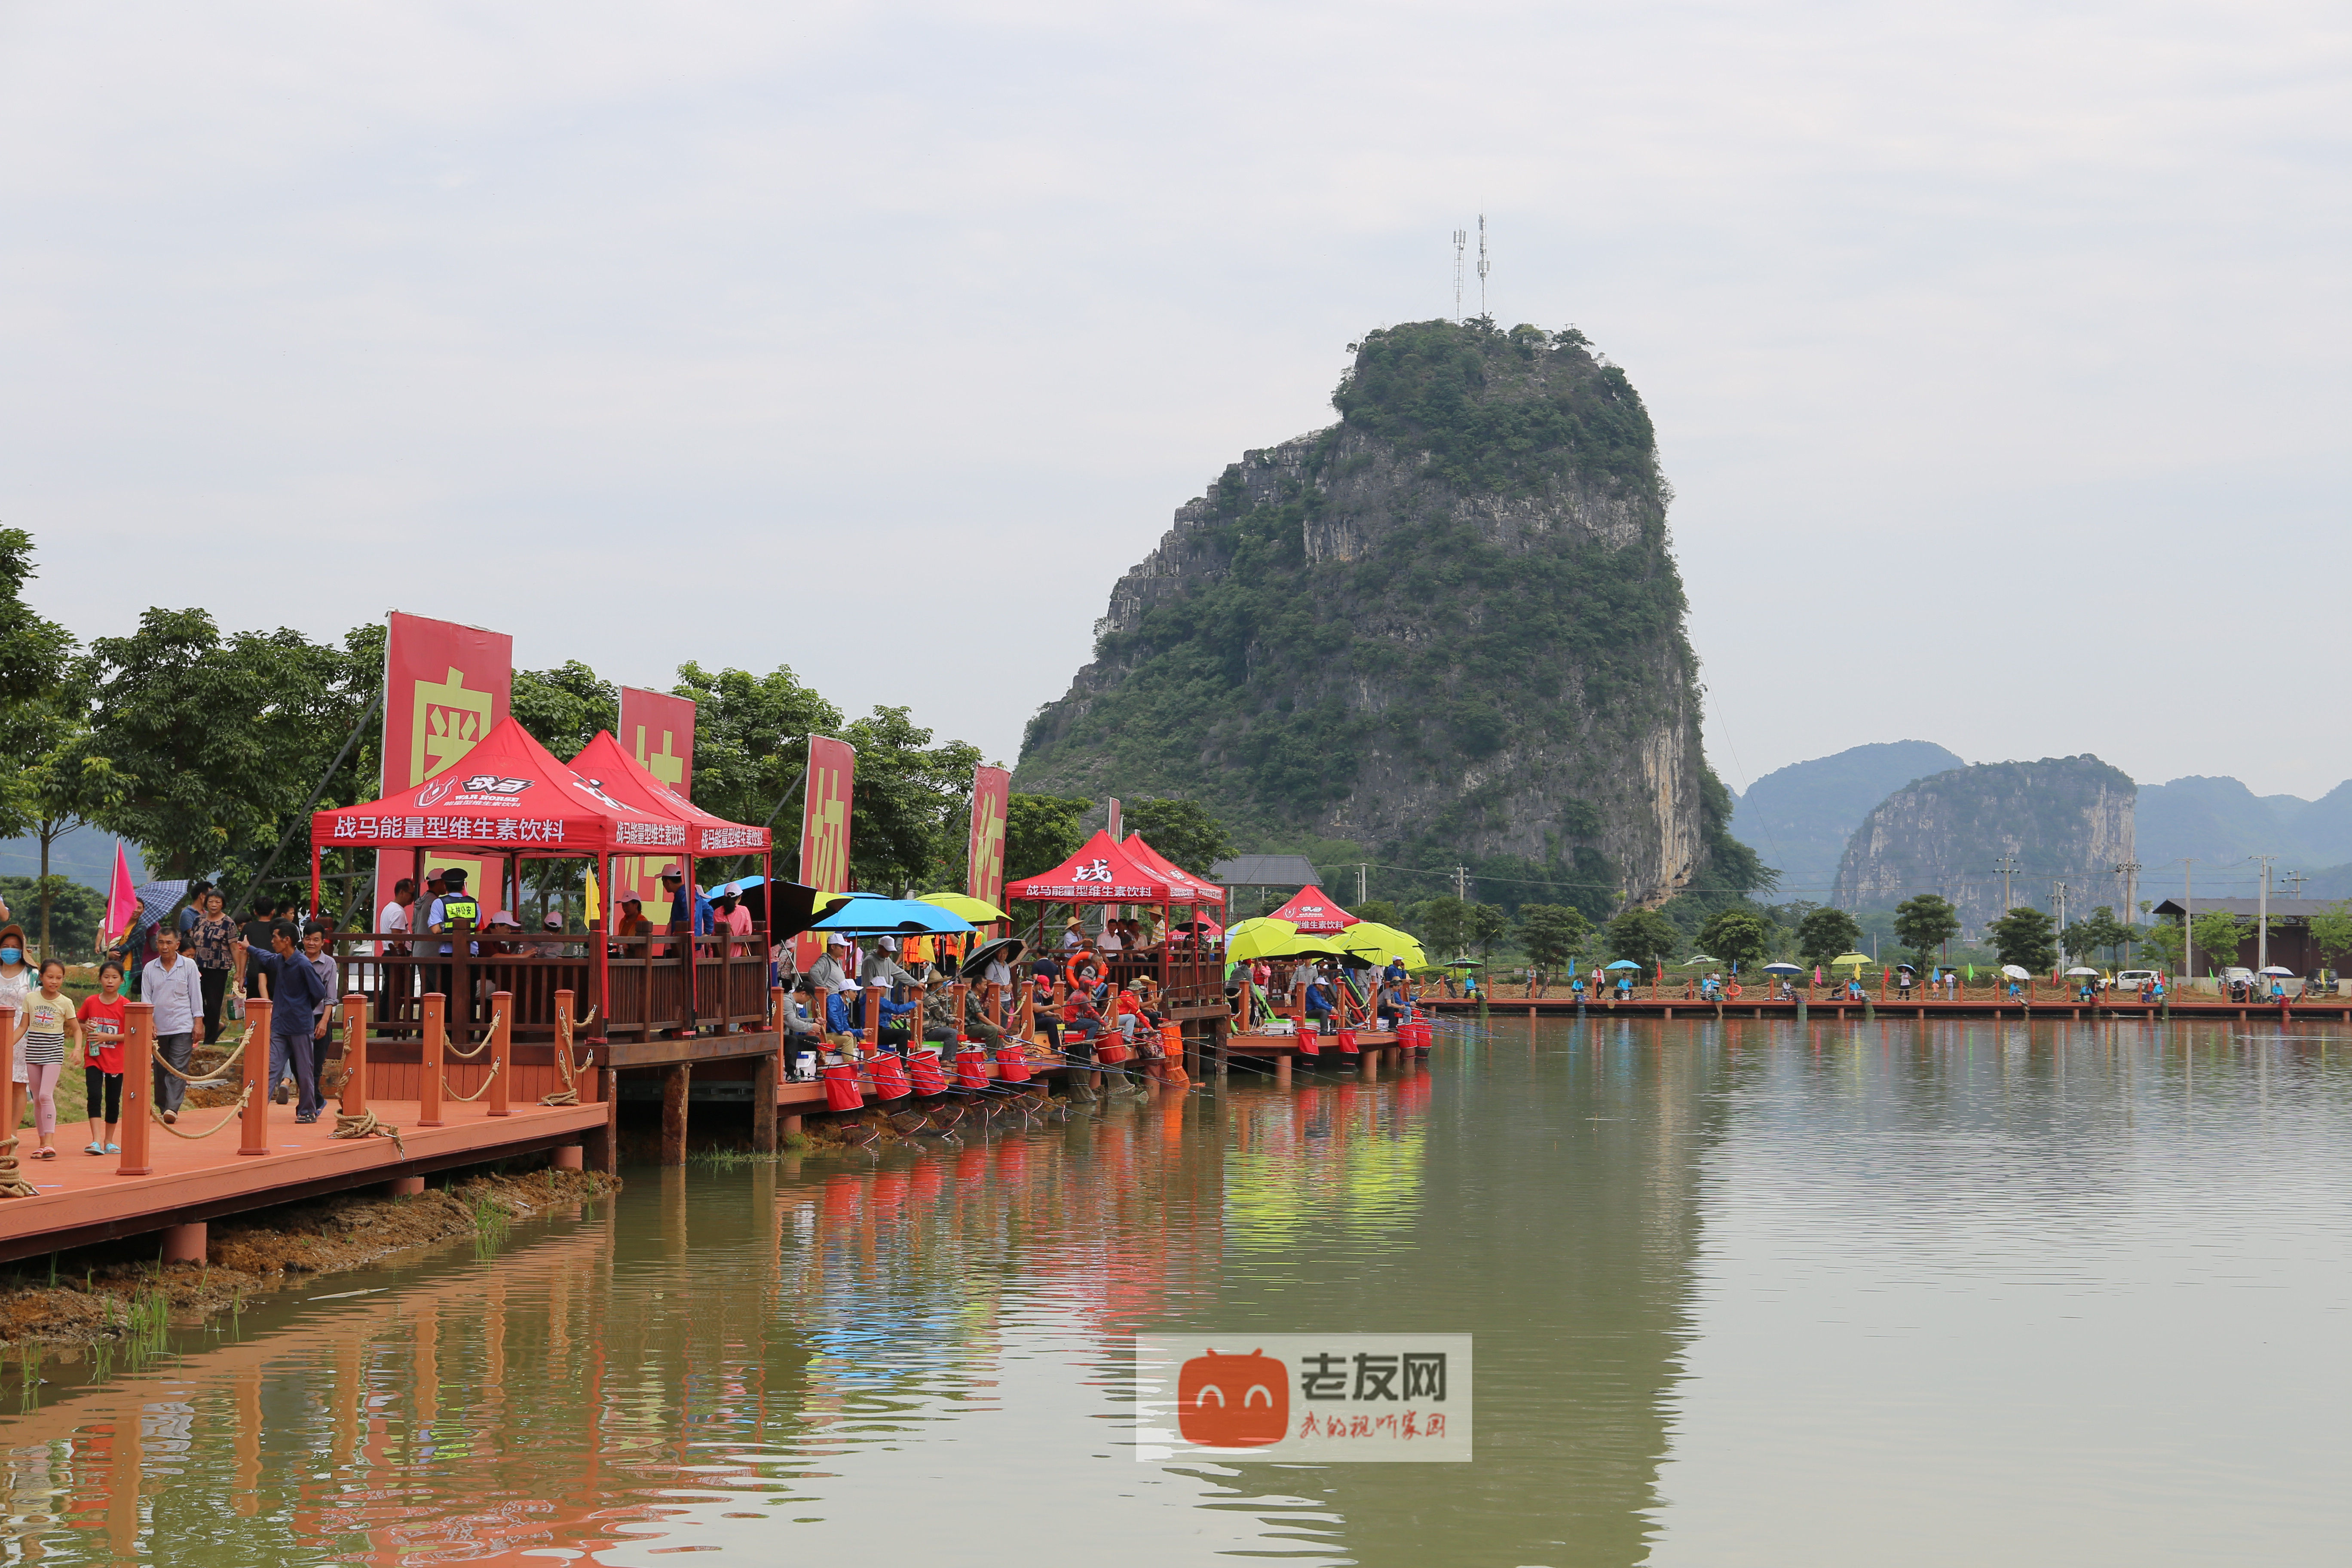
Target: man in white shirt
x=173, y=986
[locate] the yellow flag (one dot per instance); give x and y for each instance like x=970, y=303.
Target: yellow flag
x=594, y=908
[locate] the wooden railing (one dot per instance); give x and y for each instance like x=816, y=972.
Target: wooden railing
x=645, y=989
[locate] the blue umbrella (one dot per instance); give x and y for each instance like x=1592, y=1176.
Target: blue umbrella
x=873, y=913
x=740, y=884
x=1624, y=963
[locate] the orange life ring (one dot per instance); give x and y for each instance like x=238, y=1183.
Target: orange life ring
x=1731, y=992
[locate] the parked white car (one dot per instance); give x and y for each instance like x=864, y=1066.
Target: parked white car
x=2133, y=979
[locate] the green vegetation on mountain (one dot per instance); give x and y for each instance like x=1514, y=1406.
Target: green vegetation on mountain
x=1445, y=631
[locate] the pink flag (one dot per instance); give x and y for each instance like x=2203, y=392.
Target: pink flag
x=121, y=898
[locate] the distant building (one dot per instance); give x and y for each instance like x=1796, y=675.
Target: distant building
x=1290, y=872
x=2290, y=923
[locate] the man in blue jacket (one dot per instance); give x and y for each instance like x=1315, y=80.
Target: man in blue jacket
x=298, y=1015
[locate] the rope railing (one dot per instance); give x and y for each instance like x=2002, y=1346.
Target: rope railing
x=570, y=1093
x=485, y=1089
x=218, y=1073
x=365, y=1125
x=237, y=1111
x=11, y=1183
x=449, y=1051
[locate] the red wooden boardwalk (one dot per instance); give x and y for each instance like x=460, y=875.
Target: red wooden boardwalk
x=81, y=1199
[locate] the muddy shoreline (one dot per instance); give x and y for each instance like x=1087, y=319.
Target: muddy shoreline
x=248, y=1257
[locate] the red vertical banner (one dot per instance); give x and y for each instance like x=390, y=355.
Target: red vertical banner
x=825, y=828
x=658, y=731
x=992, y=798
x=444, y=687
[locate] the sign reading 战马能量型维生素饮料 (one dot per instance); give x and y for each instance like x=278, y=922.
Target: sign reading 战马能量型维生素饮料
x=1304, y=1398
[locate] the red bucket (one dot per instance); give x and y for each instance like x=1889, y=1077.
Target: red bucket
x=971, y=1071
x=841, y=1087
x=927, y=1073
x=1307, y=1042
x=1347, y=1038
x=1110, y=1051
x=1012, y=1066
x=890, y=1076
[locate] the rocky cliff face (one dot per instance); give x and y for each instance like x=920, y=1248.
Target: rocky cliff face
x=1446, y=626
x=2063, y=818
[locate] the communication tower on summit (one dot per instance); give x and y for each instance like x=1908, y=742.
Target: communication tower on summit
x=1461, y=238
x=1482, y=264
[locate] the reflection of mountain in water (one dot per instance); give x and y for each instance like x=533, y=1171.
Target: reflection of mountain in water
x=1553, y=1215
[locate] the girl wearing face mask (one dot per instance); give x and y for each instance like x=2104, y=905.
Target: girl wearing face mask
x=48, y=1019
x=16, y=982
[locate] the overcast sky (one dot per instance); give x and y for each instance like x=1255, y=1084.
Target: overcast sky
x=1998, y=352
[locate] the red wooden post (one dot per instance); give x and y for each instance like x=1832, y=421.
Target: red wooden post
x=872, y=1018
x=253, y=1131
x=435, y=1009
x=354, y=1054
x=138, y=1087
x=11, y=1112
x=501, y=1050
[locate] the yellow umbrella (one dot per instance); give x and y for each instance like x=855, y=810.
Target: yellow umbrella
x=979, y=912
x=1859, y=960
x=1260, y=922
x=1267, y=938
x=1384, y=942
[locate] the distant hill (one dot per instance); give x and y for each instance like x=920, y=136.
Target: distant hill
x=2222, y=823
x=84, y=855
x=1800, y=817
x=2062, y=819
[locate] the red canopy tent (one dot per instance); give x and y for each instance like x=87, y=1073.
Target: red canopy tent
x=1105, y=872
x=606, y=763
x=509, y=798
x=1150, y=860
x=1315, y=912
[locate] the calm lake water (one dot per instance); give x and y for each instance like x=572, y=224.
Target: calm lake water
x=1957, y=1293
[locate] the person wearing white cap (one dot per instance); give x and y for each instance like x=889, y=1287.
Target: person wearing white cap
x=826, y=973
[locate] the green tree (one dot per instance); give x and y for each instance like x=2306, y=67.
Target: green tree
x=1741, y=936
x=2166, y=937
x=35, y=655
x=1552, y=934
x=2331, y=928
x=1442, y=923
x=2025, y=937
x=563, y=708
x=64, y=787
x=1041, y=831
x=2099, y=931
x=1924, y=923
x=1646, y=936
x=1824, y=933
x=74, y=911
x=1490, y=923
x=1378, y=910
x=912, y=805
x=1182, y=830
x=215, y=741
x=2216, y=933
x=750, y=746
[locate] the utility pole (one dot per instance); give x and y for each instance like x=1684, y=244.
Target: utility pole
x=2060, y=889
x=2008, y=864
x=2296, y=879
x=2129, y=871
x=2187, y=915
x=2263, y=916
x=1361, y=869
x=1462, y=883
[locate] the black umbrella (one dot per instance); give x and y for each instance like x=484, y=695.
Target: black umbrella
x=787, y=906
x=1004, y=948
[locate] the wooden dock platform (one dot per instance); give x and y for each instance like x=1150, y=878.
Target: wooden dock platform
x=79, y=1198
x=2333, y=1009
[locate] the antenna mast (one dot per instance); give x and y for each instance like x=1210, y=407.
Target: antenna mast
x=1482, y=264
x=1461, y=238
